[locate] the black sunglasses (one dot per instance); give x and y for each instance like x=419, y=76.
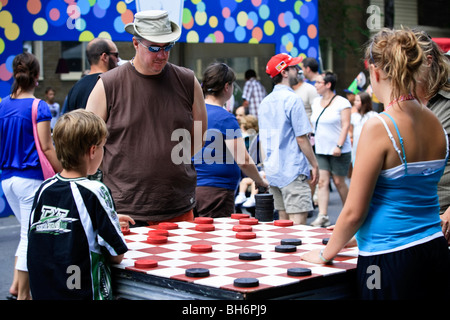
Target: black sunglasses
x=115, y=54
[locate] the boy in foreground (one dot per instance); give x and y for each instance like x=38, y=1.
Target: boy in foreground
x=74, y=231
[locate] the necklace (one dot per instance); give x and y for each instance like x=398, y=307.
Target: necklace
x=132, y=62
x=400, y=99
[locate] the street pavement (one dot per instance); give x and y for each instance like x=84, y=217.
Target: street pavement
x=10, y=233
x=9, y=239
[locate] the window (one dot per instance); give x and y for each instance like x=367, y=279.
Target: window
x=36, y=48
x=238, y=56
x=74, y=55
x=434, y=13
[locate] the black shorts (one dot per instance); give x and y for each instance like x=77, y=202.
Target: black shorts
x=419, y=272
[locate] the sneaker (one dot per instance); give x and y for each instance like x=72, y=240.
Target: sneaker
x=249, y=203
x=321, y=221
x=240, y=199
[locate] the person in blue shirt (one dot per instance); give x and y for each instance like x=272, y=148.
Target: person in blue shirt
x=21, y=170
x=224, y=155
x=283, y=130
x=392, y=204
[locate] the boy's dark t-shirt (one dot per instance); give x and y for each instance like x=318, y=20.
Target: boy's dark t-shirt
x=72, y=222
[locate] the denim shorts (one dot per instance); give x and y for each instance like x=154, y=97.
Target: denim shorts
x=338, y=166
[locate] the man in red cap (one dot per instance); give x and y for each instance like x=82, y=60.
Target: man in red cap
x=284, y=127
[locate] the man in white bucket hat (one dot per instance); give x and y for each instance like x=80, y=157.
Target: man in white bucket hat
x=146, y=104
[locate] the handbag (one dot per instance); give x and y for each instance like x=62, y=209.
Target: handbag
x=47, y=168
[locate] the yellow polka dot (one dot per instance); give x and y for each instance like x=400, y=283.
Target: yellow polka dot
x=12, y=32
x=105, y=35
x=86, y=36
x=289, y=46
x=2, y=45
x=269, y=28
x=40, y=26
x=5, y=18
x=201, y=18
x=192, y=37
x=242, y=18
x=121, y=7
x=213, y=22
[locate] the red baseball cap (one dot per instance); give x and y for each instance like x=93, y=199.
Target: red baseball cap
x=280, y=62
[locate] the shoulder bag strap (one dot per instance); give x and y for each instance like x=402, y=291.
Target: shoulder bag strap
x=34, y=121
x=317, y=121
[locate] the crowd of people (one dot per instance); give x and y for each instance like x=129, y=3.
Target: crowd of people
x=168, y=151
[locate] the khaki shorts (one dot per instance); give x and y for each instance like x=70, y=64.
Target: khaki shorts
x=294, y=198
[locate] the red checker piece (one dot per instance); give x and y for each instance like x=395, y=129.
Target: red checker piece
x=125, y=231
x=205, y=227
x=158, y=232
x=242, y=228
x=201, y=248
x=154, y=239
x=145, y=263
x=239, y=216
x=246, y=235
x=248, y=221
x=167, y=225
x=283, y=223
x=204, y=220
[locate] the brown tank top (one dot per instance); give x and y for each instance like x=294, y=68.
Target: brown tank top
x=143, y=112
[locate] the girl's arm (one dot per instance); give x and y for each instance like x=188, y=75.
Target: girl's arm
x=370, y=156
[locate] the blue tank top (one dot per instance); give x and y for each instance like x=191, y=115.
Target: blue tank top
x=404, y=210
x=18, y=154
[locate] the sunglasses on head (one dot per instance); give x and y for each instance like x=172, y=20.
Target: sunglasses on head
x=156, y=48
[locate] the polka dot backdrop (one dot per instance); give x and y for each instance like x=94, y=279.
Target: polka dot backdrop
x=290, y=24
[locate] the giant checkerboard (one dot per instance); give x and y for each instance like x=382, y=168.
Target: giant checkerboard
x=170, y=259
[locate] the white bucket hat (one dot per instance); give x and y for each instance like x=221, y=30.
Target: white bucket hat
x=154, y=26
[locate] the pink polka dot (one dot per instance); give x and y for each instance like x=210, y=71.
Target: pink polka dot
x=219, y=36
x=256, y=3
x=226, y=12
x=5, y=75
x=281, y=22
x=250, y=24
x=54, y=14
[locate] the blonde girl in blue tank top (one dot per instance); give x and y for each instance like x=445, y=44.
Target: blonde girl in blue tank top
x=392, y=205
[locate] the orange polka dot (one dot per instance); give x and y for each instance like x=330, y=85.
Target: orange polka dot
x=34, y=6
x=257, y=33
x=127, y=16
x=312, y=31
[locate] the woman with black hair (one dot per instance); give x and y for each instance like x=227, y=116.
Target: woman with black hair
x=331, y=121
x=21, y=169
x=224, y=154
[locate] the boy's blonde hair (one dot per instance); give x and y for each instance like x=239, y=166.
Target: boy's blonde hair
x=75, y=133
